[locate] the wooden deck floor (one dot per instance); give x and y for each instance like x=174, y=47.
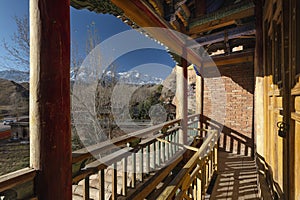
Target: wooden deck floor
x=237, y=178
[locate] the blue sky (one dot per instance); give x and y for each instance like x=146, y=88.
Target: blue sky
x=81, y=20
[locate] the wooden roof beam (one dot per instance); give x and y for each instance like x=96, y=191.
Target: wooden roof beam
x=196, y=34
x=221, y=19
x=247, y=29
x=231, y=59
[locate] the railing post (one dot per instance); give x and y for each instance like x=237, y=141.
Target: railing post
x=133, y=175
x=148, y=159
x=199, y=185
x=216, y=157
x=163, y=152
x=124, y=177
x=171, y=146
x=114, y=182
x=86, y=188
x=167, y=151
x=159, y=153
x=101, y=184
x=203, y=173
x=141, y=164
x=154, y=156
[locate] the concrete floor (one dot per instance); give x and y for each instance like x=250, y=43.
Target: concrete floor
x=237, y=178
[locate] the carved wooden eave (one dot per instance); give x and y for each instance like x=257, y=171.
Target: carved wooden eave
x=98, y=6
x=222, y=18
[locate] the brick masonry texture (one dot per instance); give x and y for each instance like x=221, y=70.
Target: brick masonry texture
x=239, y=86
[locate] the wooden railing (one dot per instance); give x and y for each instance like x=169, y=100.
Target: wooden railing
x=193, y=179
x=231, y=140
x=133, y=171
x=18, y=184
x=128, y=167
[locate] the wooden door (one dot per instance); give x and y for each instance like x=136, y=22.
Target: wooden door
x=274, y=90
x=282, y=94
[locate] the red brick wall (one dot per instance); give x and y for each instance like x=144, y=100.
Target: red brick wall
x=239, y=89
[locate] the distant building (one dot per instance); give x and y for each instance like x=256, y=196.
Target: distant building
x=171, y=111
x=20, y=129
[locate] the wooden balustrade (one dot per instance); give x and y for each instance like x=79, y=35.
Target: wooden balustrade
x=141, y=161
x=134, y=171
x=193, y=179
x=18, y=184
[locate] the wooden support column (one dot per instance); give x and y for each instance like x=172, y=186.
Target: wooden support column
x=50, y=133
x=258, y=130
x=199, y=98
x=182, y=99
x=288, y=141
x=294, y=130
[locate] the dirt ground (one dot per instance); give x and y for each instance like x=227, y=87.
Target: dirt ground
x=13, y=156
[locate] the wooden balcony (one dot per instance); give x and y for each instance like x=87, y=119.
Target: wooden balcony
x=158, y=167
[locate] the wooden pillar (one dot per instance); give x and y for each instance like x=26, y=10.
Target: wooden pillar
x=294, y=129
x=199, y=99
x=182, y=99
x=258, y=130
x=288, y=141
x=50, y=133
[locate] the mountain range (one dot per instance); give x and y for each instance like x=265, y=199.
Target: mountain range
x=130, y=77
x=15, y=75
x=14, y=98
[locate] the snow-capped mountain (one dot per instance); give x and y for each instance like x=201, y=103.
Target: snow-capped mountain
x=135, y=77
x=15, y=75
x=130, y=77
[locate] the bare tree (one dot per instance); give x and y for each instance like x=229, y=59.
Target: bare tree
x=92, y=92
x=93, y=38
x=18, y=49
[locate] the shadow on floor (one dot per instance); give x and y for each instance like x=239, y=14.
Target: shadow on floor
x=237, y=178
x=231, y=140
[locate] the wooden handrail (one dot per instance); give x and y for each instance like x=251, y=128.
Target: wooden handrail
x=170, y=191
x=83, y=154
x=16, y=178
x=117, y=156
x=194, y=116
